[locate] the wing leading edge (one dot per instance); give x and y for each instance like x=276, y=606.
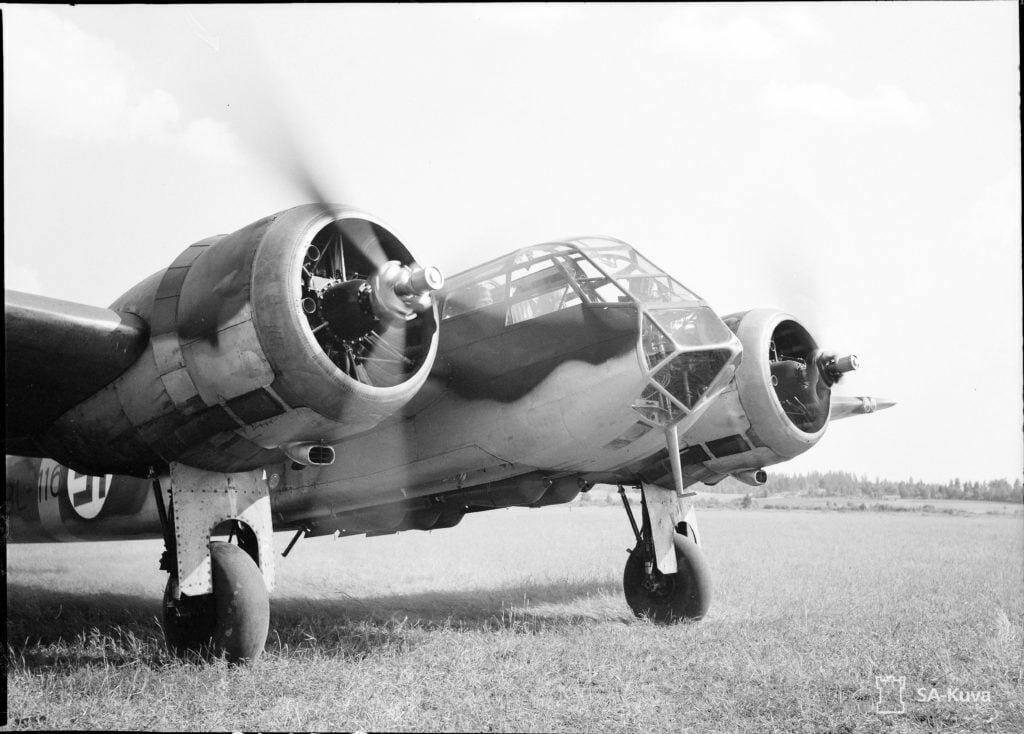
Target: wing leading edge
x=57, y=354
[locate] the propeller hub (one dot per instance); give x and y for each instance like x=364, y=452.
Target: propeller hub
x=401, y=292
x=421, y=281
x=396, y=294
x=369, y=306
x=832, y=368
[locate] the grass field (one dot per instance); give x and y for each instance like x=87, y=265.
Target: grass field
x=515, y=621
x=709, y=499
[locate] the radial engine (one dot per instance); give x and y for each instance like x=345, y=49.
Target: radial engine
x=264, y=344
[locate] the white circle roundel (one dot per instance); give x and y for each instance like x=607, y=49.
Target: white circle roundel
x=87, y=494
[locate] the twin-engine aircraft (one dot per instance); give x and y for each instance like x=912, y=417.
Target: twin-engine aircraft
x=305, y=373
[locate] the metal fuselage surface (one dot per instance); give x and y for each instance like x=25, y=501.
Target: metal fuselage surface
x=563, y=372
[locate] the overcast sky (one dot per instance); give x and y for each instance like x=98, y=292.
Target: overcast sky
x=856, y=164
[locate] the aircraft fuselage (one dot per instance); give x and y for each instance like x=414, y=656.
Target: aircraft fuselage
x=518, y=404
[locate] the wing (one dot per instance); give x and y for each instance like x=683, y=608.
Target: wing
x=58, y=353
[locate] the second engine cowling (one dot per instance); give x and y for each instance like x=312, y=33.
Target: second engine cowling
x=270, y=342
x=777, y=406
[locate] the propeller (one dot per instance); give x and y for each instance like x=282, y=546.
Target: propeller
x=361, y=291
x=366, y=306
x=361, y=306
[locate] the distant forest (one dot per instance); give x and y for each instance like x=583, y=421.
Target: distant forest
x=845, y=484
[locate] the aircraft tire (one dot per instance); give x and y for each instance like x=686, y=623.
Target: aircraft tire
x=683, y=596
x=233, y=621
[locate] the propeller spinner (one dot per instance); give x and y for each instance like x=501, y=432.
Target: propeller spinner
x=356, y=308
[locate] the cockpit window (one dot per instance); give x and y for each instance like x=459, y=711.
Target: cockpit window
x=539, y=280
x=488, y=288
x=637, y=274
x=541, y=287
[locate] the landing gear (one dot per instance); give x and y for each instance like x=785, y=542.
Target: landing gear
x=217, y=599
x=233, y=621
x=665, y=598
x=672, y=597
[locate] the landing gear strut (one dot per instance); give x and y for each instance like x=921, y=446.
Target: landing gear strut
x=664, y=597
x=217, y=599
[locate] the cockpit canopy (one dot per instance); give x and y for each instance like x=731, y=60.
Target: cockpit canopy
x=547, y=278
x=687, y=352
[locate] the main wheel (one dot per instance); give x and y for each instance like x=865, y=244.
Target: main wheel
x=667, y=598
x=232, y=621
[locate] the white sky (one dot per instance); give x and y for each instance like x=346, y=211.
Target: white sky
x=855, y=164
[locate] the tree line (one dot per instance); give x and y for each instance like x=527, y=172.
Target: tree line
x=847, y=484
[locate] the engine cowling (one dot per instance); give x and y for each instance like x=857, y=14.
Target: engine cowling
x=779, y=381
x=294, y=331
x=776, y=407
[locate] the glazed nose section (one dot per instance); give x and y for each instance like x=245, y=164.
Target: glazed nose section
x=693, y=327
x=669, y=330
x=690, y=354
x=688, y=376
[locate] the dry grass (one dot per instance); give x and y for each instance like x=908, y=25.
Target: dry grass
x=514, y=621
